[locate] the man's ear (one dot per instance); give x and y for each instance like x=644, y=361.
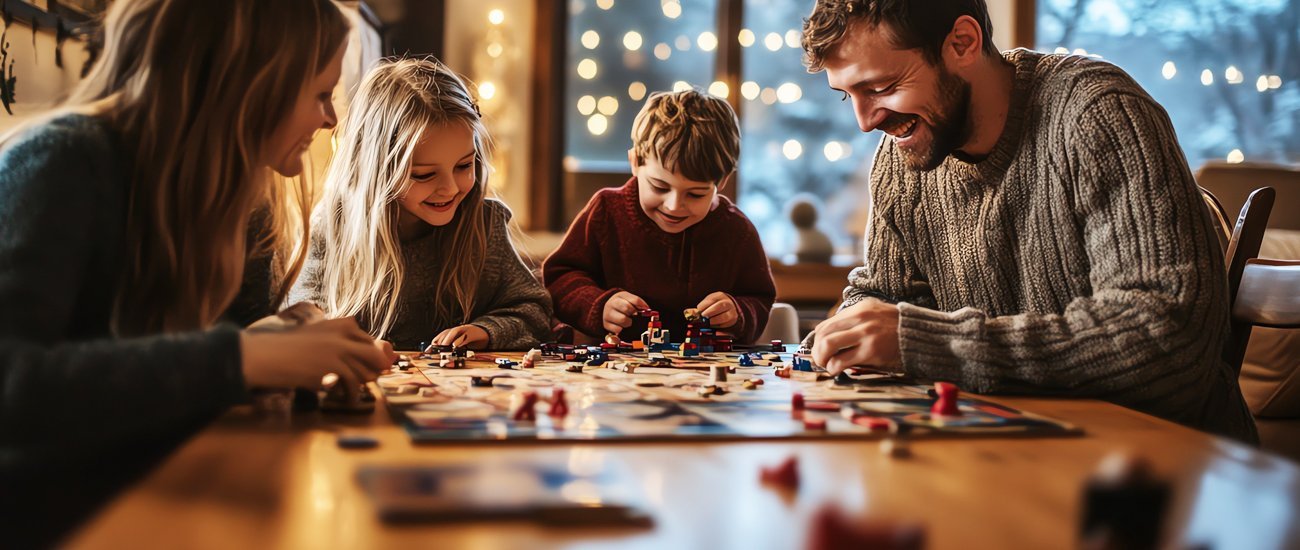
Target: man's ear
x=964, y=44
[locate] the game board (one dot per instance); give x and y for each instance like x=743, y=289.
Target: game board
x=444, y=405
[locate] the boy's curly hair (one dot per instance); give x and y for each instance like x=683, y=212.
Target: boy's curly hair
x=689, y=132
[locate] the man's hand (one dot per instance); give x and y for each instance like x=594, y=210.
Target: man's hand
x=619, y=311
x=721, y=310
x=864, y=334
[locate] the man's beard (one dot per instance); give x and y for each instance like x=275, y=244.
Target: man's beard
x=951, y=124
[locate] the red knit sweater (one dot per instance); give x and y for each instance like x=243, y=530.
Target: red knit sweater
x=613, y=246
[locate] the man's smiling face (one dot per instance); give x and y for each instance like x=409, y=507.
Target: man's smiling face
x=924, y=107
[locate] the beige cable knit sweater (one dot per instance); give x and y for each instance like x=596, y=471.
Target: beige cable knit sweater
x=1075, y=260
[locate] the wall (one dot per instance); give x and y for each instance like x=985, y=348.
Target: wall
x=40, y=82
x=506, y=112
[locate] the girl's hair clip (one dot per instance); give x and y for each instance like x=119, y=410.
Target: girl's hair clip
x=476, y=110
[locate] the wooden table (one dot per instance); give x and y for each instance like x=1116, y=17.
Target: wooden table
x=254, y=482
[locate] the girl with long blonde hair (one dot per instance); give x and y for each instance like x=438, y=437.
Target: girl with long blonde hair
x=124, y=232
x=405, y=238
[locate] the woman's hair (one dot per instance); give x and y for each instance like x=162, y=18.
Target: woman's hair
x=196, y=88
x=362, y=268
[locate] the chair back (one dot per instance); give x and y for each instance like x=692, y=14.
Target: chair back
x=1243, y=247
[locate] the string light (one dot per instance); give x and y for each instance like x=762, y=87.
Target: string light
x=604, y=4
x=683, y=43
x=789, y=92
x=792, y=149
x=1207, y=77
x=590, y=40
x=746, y=38
x=496, y=17
x=586, y=105
x=487, y=90
x=587, y=69
x=636, y=91
x=835, y=150
x=607, y=105
x=672, y=10
x=707, y=41
x=632, y=40
x=1261, y=85
x=1080, y=51
x=1274, y=82
x=1061, y=50
x=772, y=41
x=1232, y=75
x=681, y=86
x=768, y=96
x=663, y=51
x=792, y=38
x=1169, y=70
x=720, y=89
x=750, y=90
x=1236, y=157
x=597, y=124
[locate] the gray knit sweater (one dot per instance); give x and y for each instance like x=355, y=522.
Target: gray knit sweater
x=1075, y=260
x=509, y=303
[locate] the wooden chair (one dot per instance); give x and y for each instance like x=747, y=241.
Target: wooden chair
x=1268, y=294
x=1243, y=247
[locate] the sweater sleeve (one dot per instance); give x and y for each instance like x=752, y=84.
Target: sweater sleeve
x=573, y=272
x=59, y=396
x=754, y=291
x=518, y=312
x=1158, y=306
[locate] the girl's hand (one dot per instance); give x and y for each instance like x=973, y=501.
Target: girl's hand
x=301, y=313
x=464, y=336
x=721, y=310
x=300, y=357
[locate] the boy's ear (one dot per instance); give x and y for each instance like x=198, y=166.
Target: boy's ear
x=722, y=183
x=631, y=161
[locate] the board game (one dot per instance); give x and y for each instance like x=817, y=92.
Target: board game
x=639, y=395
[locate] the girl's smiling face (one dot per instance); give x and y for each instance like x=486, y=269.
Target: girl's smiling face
x=441, y=174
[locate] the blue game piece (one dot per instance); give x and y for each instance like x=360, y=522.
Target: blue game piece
x=745, y=361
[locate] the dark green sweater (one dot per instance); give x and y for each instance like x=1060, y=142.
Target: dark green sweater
x=71, y=395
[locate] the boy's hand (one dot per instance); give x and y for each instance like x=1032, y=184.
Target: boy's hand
x=721, y=310
x=619, y=311
x=464, y=336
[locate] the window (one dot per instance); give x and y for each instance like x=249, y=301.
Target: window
x=1225, y=70
x=796, y=136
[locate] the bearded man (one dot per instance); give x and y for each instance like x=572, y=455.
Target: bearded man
x=1034, y=226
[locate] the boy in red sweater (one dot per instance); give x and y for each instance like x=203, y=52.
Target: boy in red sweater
x=666, y=240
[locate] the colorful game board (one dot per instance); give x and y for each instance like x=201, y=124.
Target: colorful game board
x=442, y=405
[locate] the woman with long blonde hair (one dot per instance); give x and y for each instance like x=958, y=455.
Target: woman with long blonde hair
x=124, y=223
x=405, y=237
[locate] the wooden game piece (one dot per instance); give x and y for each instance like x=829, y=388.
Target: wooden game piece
x=831, y=530
x=796, y=405
x=612, y=339
x=828, y=406
x=718, y=374
x=505, y=363
x=526, y=408
x=711, y=389
x=406, y=389
x=481, y=381
x=559, y=403
x=749, y=384
x=784, y=475
x=574, y=367
x=895, y=447
x=778, y=346
x=843, y=379
x=746, y=361
x=814, y=424
x=1124, y=505
x=627, y=368
x=946, y=402
x=530, y=358
x=784, y=372
x=873, y=423
x=429, y=392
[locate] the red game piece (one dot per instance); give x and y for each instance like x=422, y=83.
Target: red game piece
x=832, y=531
x=814, y=424
x=784, y=475
x=559, y=405
x=945, y=404
x=796, y=405
x=873, y=423
x=527, y=411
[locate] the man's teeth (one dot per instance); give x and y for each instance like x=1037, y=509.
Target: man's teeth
x=903, y=130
